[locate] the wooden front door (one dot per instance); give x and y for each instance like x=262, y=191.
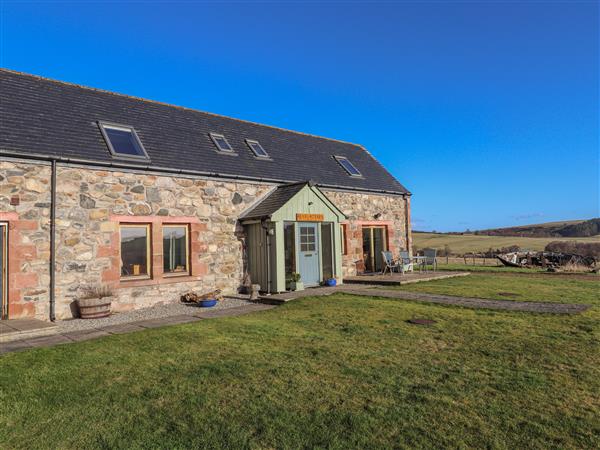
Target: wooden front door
x=308, y=253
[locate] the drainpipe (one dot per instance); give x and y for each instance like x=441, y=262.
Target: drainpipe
x=53, y=241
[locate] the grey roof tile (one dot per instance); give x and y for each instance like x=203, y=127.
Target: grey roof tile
x=53, y=118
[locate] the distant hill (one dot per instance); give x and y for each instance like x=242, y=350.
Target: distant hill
x=572, y=228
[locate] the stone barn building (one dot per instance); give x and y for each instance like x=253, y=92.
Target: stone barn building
x=156, y=200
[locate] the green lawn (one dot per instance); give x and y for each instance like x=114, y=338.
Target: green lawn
x=332, y=372
x=545, y=288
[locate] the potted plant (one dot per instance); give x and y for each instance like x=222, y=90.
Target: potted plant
x=254, y=291
x=95, y=302
x=202, y=300
x=295, y=283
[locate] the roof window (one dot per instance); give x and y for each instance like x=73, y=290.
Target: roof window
x=257, y=149
x=122, y=141
x=221, y=143
x=348, y=166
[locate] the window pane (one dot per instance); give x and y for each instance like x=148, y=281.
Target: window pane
x=175, y=249
x=221, y=143
x=257, y=149
x=349, y=167
x=123, y=141
x=134, y=251
x=327, y=249
x=289, y=247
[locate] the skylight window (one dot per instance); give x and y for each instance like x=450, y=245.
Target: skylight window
x=122, y=141
x=348, y=166
x=221, y=143
x=257, y=149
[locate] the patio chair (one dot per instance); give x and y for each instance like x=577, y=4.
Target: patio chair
x=406, y=263
x=430, y=258
x=389, y=263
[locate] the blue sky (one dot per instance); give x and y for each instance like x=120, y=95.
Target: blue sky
x=486, y=111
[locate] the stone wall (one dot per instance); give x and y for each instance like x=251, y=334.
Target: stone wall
x=91, y=203
x=361, y=209
x=27, y=187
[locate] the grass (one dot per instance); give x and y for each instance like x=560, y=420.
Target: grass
x=460, y=244
x=330, y=372
x=541, y=288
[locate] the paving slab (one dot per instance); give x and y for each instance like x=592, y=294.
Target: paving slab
x=85, y=335
x=479, y=303
x=47, y=341
x=64, y=337
x=19, y=329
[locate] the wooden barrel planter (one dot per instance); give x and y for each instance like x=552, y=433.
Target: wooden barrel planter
x=94, y=308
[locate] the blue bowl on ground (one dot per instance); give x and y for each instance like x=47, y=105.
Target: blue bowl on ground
x=207, y=303
x=331, y=282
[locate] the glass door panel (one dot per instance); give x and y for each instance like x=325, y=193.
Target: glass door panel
x=327, y=250
x=289, y=248
x=374, y=242
x=378, y=247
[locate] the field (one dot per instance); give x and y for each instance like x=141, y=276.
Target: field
x=460, y=244
x=328, y=372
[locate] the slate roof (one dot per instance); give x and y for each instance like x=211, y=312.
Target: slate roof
x=274, y=201
x=53, y=118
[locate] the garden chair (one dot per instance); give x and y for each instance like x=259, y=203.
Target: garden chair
x=389, y=263
x=406, y=265
x=430, y=258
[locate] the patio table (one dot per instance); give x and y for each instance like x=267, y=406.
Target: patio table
x=419, y=261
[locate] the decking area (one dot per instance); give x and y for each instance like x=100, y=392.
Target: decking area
x=359, y=283
x=397, y=279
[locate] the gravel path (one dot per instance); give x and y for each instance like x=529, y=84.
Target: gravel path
x=153, y=312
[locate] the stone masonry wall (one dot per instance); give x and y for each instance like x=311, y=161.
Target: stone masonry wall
x=372, y=209
x=91, y=203
x=28, y=218
x=94, y=202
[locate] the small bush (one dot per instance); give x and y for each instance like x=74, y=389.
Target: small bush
x=577, y=248
x=96, y=291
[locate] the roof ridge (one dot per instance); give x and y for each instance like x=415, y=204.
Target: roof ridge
x=173, y=106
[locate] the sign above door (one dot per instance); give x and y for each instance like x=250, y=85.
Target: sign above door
x=303, y=217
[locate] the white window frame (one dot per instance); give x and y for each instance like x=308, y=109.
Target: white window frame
x=214, y=136
x=251, y=142
x=339, y=160
x=113, y=152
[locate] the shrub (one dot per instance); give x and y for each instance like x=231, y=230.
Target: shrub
x=96, y=291
x=578, y=248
